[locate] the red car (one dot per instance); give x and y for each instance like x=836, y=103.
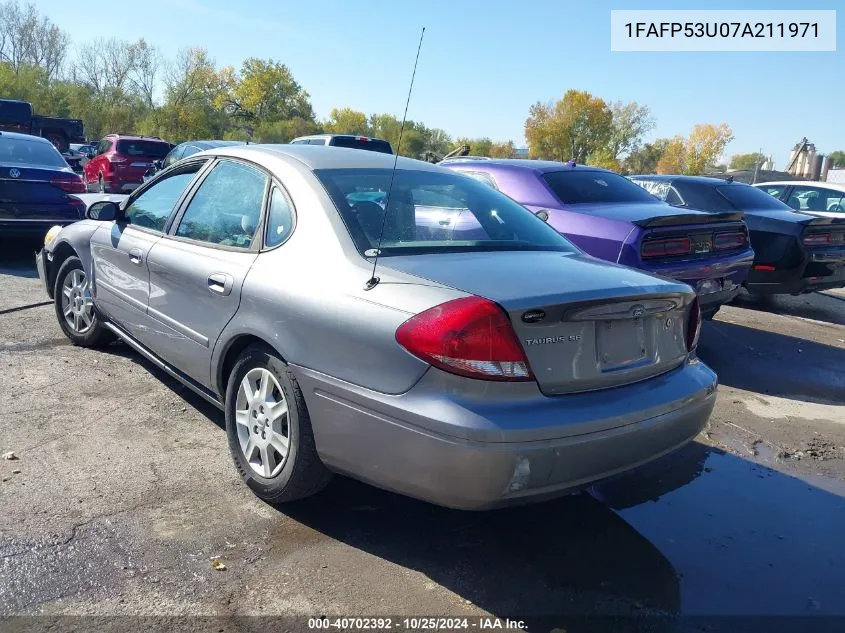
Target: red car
x=119, y=163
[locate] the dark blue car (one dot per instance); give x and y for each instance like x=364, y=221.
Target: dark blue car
x=36, y=186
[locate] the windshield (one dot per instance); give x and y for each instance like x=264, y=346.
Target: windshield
x=354, y=142
x=746, y=197
x=586, y=186
x=26, y=152
x=151, y=149
x=431, y=212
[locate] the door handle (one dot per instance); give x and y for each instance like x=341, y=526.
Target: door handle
x=136, y=256
x=220, y=283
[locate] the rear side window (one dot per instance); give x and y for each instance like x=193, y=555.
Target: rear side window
x=703, y=196
x=279, y=219
x=746, y=197
x=481, y=176
x=226, y=208
x=26, y=152
x=360, y=142
x=148, y=149
x=153, y=206
x=174, y=155
x=590, y=187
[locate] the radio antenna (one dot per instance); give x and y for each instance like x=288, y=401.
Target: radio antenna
x=372, y=282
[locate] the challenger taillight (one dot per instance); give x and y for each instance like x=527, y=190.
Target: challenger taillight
x=693, y=325
x=665, y=247
x=729, y=240
x=817, y=239
x=71, y=184
x=470, y=337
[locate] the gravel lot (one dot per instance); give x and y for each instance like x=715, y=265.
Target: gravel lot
x=123, y=492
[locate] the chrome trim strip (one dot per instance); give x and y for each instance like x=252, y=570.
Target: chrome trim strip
x=143, y=351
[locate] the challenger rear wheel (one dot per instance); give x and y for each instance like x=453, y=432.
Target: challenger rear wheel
x=269, y=430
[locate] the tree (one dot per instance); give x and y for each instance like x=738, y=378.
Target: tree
x=746, y=161
x=837, y=159
x=705, y=145
x=347, y=121
x=643, y=160
x=694, y=154
x=573, y=127
x=630, y=122
x=28, y=39
x=266, y=91
x=486, y=147
x=142, y=79
x=605, y=159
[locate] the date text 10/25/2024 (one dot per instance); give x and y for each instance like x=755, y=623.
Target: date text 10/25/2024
x=414, y=624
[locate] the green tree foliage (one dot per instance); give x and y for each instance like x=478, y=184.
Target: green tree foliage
x=837, y=159
x=347, y=121
x=487, y=147
x=746, y=161
x=643, y=160
x=573, y=127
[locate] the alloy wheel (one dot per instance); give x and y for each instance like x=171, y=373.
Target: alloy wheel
x=77, y=303
x=262, y=419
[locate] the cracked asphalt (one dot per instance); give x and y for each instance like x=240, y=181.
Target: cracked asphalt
x=123, y=493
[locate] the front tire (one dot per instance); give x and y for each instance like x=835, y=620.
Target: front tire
x=75, y=309
x=269, y=429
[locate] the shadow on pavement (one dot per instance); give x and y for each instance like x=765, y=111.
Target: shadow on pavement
x=771, y=363
x=699, y=533
x=818, y=306
x=17, y=256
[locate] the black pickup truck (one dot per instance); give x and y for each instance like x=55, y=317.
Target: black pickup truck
x=17, y=116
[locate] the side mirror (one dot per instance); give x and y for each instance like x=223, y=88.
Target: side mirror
x=543, y=215
x=103, y=211
x=158, y=164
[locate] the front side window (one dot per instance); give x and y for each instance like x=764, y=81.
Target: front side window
x=590, y=187
x=816, y=199
x=227, y=206
x=103, y=147
x=431, y=212
x=174, y=155
x=151, y=208
x=279, y=219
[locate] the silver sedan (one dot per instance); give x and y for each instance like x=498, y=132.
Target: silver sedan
x=484, y=362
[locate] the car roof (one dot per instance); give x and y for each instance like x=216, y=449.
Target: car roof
x=24, y=137
x=322, y=157
x=132, y=137
x=540, y=166
x=211, y=144
x=372, y=138
x=827, y=185
x=707, y=180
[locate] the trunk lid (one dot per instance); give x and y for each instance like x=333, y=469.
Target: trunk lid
x=650, y=214
x=584, y=324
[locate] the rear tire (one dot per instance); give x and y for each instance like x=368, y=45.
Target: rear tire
x=75, y=310
x=269, y=429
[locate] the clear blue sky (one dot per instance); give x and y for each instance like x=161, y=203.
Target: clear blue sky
x=484, y=62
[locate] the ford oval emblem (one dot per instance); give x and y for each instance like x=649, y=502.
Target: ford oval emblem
x=533, y=316
x=14, y=173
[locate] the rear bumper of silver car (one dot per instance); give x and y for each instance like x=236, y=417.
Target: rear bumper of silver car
x=402, y=442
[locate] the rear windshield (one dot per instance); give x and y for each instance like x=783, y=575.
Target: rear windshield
x=149, y=149
x=25, y=152
x=431, y=212
x=586, y=186
x=374, y=145
x=747, y=197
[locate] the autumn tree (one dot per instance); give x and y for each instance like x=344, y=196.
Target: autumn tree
x=694, y=154
x=485, y=146
x=573, y=127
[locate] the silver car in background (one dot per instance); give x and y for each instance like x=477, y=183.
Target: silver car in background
x=474, y=370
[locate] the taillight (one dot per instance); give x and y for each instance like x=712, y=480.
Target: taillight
x=71, y=184
x=818, y=239
x=470, y=337
x=665, y=247
x=732, y=239
x=693, y=325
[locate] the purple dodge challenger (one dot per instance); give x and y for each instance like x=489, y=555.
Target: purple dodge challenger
x=610, y=217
